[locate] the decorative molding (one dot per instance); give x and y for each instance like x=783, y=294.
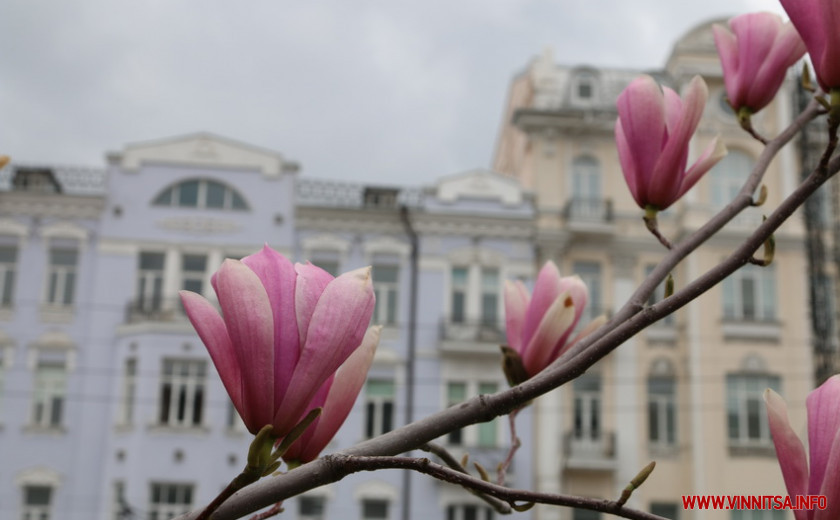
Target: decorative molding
x=376, y=489
x=38, y=476
x=13, y=227
x=194, y=224
x=66, y=230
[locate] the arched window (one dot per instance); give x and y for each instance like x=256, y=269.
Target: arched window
x=728, y=177
x=587, y=201
x=201, y=194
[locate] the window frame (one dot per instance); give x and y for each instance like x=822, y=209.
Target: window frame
x=49, y=392
x=739, y=394
x=162, y=509
x=61, y=282
x=193, y=384
x=387, y=293
x=30, y=511
x=171, y=196
x=380, y=410
x=8, y=275
x=764, y=295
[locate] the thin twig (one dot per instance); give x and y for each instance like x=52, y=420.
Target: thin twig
x=275, y=510
x=515, y=443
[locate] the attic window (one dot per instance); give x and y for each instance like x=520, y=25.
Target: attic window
x=584, y=89
x=380, y=198
x=201, y=194
x=41, y=180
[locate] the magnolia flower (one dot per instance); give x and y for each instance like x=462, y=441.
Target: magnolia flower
x=823, y=443
x=817, y=22
x=755, y=56
x=538, y=327
x=286, y=329
x=652, y=133
x=335, y=397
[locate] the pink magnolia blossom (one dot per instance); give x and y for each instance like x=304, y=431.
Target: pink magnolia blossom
x=335, y=397
x=824, y=446
x=755, y=56
x=652, y=134
x=286, y=329
x=538, y=327
x=818, y=22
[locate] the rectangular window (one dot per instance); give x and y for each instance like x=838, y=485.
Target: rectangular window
x=385, y=287
x=590, y=273
x=122, y=511
x=311, y=507
x=469, y=512
x=150, y=282
x=379, y=407
x=49, y=393
x=746, y=413
x=375, y=509
x=587, y=407
x=8, y=266
x=490, y=297
x=666, y=509
x=182, y=392
x=37, y=502
x=169, y=500
x=456, y=392
x=61, y=277
x=459, y=294
x=488, y=432
x=192, y=273
x=662, y=427
x=749, y=294
x=129, y=389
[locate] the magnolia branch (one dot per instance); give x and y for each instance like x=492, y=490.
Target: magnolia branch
x=630, y=319
x=452, y=462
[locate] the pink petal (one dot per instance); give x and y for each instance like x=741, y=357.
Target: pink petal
x=278, y=276
x=213, y=333
x=311, y=282
x=337, y=327
x=823, y=424
x=710, y=157
x=789, y=449
x=516, y=303
x=580, y=294
x=546, y=291
x=817, y=22
x=641, y=112
x=628, y=165
x=349, y=381
x=295, y=451
x=250, y=324
x=555, y=323
x=728, y=52
x=756, y=33
x=787, y=49
x=831, y=484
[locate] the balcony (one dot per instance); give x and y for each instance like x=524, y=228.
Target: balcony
x=590, y=453
x=154, y=310
x=589, y=215
x=470, y=336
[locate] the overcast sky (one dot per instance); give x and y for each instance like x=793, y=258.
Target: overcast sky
x=381, y=92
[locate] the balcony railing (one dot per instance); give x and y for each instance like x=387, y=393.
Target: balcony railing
x=154, y=309
x=596, y=452
x=479, y=331
x=594, y=211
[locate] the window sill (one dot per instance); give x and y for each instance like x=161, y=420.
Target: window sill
x=165, y=428
x=752, y=330
x=752, y=450
x=57, y=313
x=663, y=450
x=38, y=429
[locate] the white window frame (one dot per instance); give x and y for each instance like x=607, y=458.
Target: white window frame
x=458, y=511
x=61, y=279
x=763, y=281
x=743, y=389
x=378, y=406
x=387, y=294
x=129, y=391
x=589, y=405
x=193, y=385
x=490, y=288
x=587, y=188
x=472, y=436
x=459, y=287
x=49, y=390
x=184, y=494
x=174, y=198
x=8, y=272
x=191, y=276
x=150, y=283
x=663, y=406
x=29, y=511
x=592, y=274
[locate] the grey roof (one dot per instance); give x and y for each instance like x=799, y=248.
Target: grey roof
x=74, y=180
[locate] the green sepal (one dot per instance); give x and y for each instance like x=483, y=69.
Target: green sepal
x=296, y=432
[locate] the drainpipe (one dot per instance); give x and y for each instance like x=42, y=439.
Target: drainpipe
x=412, y=348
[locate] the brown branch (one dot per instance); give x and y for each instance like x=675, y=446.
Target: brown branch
x=515, y=443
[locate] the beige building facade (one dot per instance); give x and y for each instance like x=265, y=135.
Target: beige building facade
x=686, y=392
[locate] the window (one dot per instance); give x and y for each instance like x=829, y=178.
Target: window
x=587, y=407
x=587, y=201
x=375, y=509
x=311, y=507
x=122, y=510
x=757, y=514
x=666, y=509
x=192, y=272
x=585, y=514
x=233, y=420
x=469, y=512
x=379, y=408
x=385, y=284
x=488, y=432
x=490, y=297
x=749, y=294
x=150, y=282
x=662, y=423
x=169, y=500
x=202, y=194
x=182, y=392
x=50, y=387
x=590, y=273
x=728, y=177
x=8, y=262
x=61, y=278
x=745, y=410
x=459, y=294
x=128, y=391
x=456, y=392
x=657, y=296
x=37, y=501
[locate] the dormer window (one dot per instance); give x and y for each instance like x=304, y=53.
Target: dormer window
x=41, y=180
x=584, y=88
x=201, y=194
x=380, y=197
